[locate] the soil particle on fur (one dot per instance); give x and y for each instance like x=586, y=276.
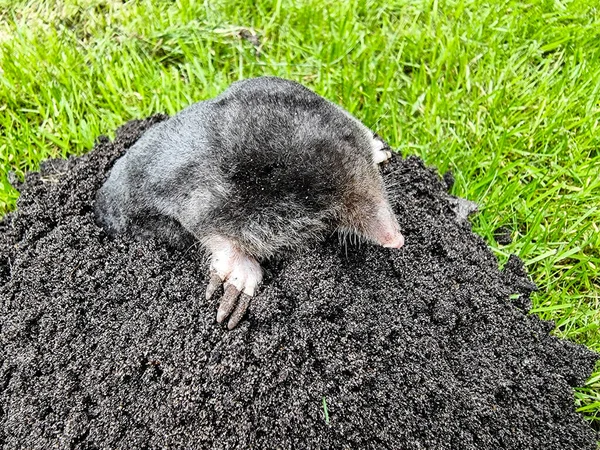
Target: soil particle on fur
x=109, y=343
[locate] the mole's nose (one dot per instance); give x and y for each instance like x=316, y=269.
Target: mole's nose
x=386, y=230
x=396, y=242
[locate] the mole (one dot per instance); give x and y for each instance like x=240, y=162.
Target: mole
x=266, y=167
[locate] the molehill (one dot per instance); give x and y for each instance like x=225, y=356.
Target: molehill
x=109, y=343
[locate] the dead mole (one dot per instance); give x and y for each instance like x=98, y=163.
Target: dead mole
x=265, y=167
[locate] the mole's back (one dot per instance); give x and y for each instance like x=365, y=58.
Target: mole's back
x=266, y=161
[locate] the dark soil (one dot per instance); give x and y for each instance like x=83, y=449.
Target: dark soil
x=502, y=235
x=109, y=343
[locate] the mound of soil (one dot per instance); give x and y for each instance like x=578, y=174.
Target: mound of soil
x=109, y=343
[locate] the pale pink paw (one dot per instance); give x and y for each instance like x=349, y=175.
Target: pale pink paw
x=380, y=154
x=240, y=275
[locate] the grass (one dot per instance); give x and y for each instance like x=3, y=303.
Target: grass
x=504, y=93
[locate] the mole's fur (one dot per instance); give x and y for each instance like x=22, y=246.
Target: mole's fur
x=265, y=167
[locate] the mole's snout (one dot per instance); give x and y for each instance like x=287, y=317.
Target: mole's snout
x=386, y=230
x=396, y=242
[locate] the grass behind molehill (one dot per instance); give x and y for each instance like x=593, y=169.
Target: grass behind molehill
x=505, y=94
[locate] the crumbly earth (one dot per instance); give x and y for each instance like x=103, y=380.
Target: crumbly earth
x=109, y=343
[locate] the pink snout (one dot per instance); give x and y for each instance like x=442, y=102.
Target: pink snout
x=396, y=241
x=386, y=230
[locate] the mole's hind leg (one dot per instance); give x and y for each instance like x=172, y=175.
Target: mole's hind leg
x=240, y=273
x=380, y=152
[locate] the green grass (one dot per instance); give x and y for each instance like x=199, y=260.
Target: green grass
x=504, y=93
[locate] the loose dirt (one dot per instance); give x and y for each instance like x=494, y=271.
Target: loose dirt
x=109, y=343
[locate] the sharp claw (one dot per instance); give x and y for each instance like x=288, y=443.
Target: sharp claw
x=239, y=311
x=227, y=302
x=213, y=285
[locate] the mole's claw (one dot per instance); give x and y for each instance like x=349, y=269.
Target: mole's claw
x=239, y=272
x=239, y=311
x=227, y=302
x=213, y=284
x=380, y=151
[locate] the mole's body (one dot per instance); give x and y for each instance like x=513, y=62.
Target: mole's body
x=266, y=166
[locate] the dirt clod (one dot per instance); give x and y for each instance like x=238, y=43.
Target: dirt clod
x=110, y=343
x=503, y=235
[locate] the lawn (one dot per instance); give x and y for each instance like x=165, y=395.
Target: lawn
x=504, y=94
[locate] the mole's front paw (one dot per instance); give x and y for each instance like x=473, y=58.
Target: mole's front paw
x=240, y=274
x=381, y=152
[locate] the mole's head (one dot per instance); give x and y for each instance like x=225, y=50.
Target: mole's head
x=366, y=210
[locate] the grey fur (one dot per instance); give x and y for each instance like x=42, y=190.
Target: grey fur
x=267, y=164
